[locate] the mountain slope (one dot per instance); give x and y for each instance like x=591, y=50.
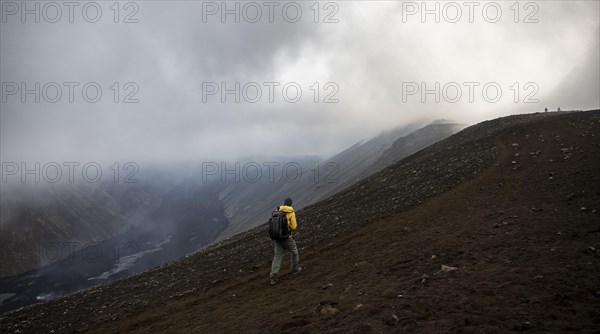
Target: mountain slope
x=512, y=203
x=396, y=150
x=247, y=202
x=35, y=219
x=171, y=212
x=72, y=216
x=189, y=217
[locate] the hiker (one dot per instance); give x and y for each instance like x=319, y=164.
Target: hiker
x=545, y=109
x=287, y=243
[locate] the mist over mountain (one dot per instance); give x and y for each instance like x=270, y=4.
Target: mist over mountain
x=539, y=55
x=502, y=215
x=68, y=236
x=442, y=168
x=322, y=178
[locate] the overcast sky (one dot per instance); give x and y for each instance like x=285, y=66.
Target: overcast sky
x=369, y=56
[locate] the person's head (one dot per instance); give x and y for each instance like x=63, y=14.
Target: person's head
x=287, y=202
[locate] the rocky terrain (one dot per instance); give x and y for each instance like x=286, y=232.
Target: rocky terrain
x=48, y=231
x=72, y=216
x=494, y=229
x=246, y=202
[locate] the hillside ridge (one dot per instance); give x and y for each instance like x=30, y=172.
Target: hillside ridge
x=229, y=275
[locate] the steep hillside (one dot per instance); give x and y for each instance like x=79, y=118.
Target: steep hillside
x=188, y=217
x=509, y=205
x=398, y=149
x=414, y=142
x=38, y=216
x=71, y=216
x=247, y=202
x=172, y=211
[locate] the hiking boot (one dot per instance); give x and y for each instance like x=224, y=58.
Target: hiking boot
x=274, y=280
x=297, y=270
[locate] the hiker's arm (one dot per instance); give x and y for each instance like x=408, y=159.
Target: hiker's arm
x=293, y=224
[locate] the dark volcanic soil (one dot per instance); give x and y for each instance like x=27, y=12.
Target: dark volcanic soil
x=512, y=204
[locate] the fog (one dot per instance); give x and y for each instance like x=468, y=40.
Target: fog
x=367, y=58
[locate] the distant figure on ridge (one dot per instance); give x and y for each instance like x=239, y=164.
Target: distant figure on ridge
x=545, y=109
x=281, y=225
x=558, y=109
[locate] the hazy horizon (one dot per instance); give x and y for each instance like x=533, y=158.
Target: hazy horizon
x=362, y=55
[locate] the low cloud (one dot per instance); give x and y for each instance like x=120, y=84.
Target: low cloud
x=359, y=63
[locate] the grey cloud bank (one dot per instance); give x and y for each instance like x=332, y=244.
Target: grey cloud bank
x=366, y=61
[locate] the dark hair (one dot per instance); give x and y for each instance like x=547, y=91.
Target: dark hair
x=287, y=202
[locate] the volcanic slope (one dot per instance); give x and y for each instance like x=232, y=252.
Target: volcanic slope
x=510, y=205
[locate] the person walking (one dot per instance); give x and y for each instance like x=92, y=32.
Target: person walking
x=289, y=244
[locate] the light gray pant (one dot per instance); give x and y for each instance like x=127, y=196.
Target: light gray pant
x=280, y=248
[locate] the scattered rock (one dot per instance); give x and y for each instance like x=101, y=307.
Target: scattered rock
x=566, y=150
x=522, y=327
x=393, y=320
x=422, y=281
x=445, y=269
x=496, y=225
x=362, y=264
x=329, y=310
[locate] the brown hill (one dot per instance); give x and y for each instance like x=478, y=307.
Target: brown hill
x=512, y=204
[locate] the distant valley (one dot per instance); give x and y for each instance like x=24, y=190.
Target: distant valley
x=59, y=239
